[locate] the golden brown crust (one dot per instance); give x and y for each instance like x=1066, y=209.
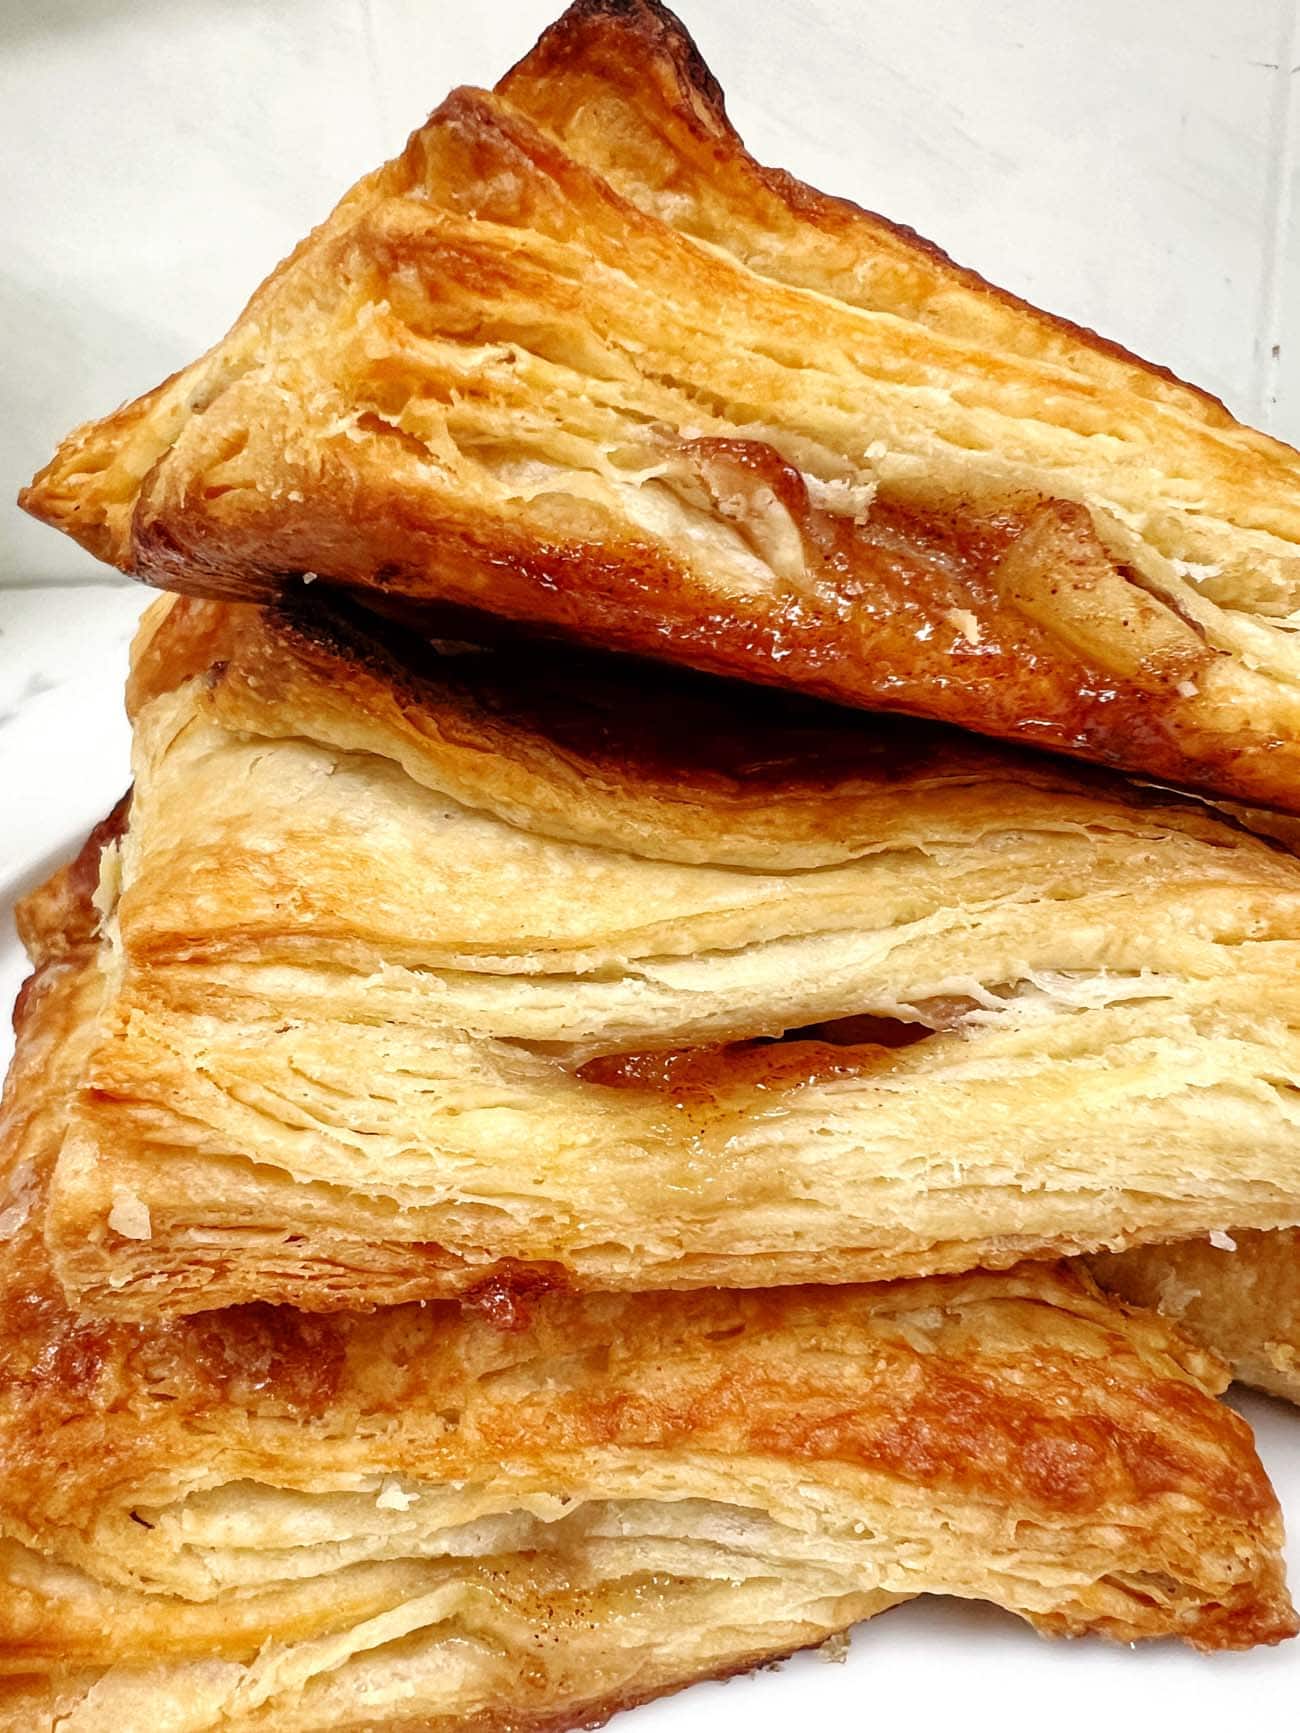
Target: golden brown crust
x=778, y=1459
x=489, y=380
x=33, y=1702
x=629, y=754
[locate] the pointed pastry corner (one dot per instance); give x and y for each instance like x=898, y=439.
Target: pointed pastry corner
x=597, y=40
x=89, y=487
x=492, y=379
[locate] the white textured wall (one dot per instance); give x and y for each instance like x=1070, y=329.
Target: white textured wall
x=1128, y=162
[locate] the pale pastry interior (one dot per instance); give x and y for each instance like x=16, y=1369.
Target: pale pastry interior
x=1238, y=1293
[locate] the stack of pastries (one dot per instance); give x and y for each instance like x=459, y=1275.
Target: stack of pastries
x=544, y=1160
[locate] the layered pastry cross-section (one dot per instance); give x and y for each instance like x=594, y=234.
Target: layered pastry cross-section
x=576, y=359
x=469, y=970
x=260, y=1518
x=1238, y=1293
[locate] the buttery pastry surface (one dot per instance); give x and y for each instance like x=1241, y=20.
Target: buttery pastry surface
x=494, y=377
x=437, y=973
x=262, y=1518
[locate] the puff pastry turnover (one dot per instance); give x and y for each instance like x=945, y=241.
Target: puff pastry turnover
x=261, y=1518
x=431, y=971
x=576, y=359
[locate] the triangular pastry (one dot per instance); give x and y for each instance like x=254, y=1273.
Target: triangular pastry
x=437, y=970
x=575, y=359
x=417, y=1518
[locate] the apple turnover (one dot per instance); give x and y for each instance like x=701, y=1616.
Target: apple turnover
x=416, y=1517
x=576, y=359
x=447, y=971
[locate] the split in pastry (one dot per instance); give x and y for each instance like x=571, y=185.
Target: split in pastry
x=439, y=972
x=419, y=1518
x=576, y=359
x=1239, y=1295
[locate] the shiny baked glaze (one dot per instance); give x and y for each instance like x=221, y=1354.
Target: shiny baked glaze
x=701, y=1072
x=634, y=754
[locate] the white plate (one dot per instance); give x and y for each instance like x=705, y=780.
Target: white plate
x=929, y=1665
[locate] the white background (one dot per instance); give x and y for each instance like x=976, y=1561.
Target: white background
x=1131, y=163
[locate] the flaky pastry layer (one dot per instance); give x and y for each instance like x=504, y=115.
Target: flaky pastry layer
x=576, y=359
x=431, y=971
x=1239, y=1293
